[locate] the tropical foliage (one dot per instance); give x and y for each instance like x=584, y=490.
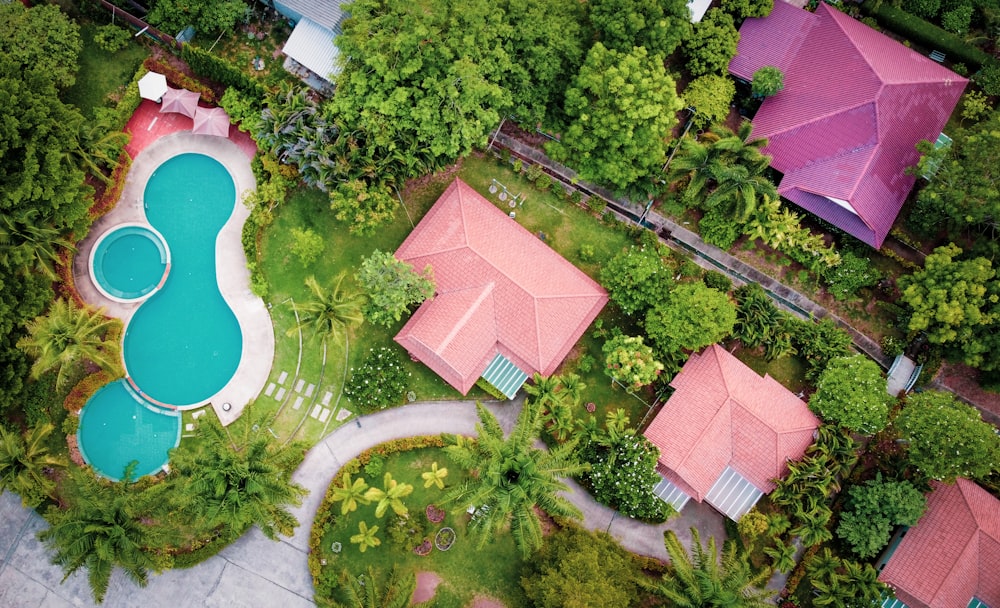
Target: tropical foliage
x=712, y=44
x=393, y=287
x=513, y=478
x=946, y=438
x=874, y=509
x=842, y=583
x=379, y=382
x=328, y=314
x=389, y=496
x=350, y=493
x=767, y=81
x=369, y=590
x=692, y=316
x=630, y=362
x=710, y=96
x=26, y=464
x=759, y=322
x=851, y=393
x=656, y=25
x=636, y=279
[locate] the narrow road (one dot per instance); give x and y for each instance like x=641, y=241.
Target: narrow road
x=257, y=572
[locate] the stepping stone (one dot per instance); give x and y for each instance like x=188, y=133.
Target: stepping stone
x=189, y=427
x=298, y=403
x=343, y=414
x=281, y=394
x=299, y=385
x=316, y=410
x=270, y=389
x=310, y=389
x=282, y=377
x=324, y=415
x=198, y=414
x=327, y=397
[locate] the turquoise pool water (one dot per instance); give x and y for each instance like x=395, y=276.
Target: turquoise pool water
x=128, y=263
x=117, y=427
x=184, y=343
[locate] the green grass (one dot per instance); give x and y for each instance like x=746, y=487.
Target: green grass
x=465, y=570
x=790, y=372
x=102, y=73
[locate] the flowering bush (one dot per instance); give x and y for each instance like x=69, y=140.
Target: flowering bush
x=623, y=475
x=631, y=362
x=380, y=382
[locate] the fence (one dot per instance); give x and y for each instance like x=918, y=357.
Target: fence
x=139, y=25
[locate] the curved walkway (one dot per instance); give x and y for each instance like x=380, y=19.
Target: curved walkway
x=255, y=571
x=231, y=270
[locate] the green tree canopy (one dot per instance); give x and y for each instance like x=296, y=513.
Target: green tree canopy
x=741, y=9
x=691, y=317
x=564, y=572
x=328, y=313
x=710, y=96
x=947, y=438
x=392, y=287
x=656, y=25
x=955, y=302
x=621, y=107
x=514, y=478
x=767, y=81
x=851, y=393
x=712, y=45
x=423, y=80
x=205, y=15
x=38, y=42
x=874, y=509
x=630, y=362
x=636, y=279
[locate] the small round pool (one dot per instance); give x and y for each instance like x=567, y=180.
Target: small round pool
x=129, y=262
x=118, y=427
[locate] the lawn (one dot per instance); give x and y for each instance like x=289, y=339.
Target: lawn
x=465, y=570
x=101, y=73
x=790, y=372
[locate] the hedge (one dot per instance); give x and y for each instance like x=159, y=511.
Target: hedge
x=85, y=389
x=220, y=70
x=927, y=34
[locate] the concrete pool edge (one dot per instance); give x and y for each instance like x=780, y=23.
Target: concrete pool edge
x=233, y=277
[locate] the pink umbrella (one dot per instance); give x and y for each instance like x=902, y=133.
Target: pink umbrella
x=180, y=101
x=211, y=121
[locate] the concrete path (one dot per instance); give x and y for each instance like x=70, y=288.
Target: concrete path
x=255, y=571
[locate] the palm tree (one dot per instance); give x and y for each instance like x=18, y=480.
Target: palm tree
x=813, y=526
x=511, y=477
x=328, y=314
x=544, y=392
x=366, y=537
x=572, y=389
x=24, y=464
x=389, y=495
x=103, y=528
x=738, y=191
x=245, y=483
x=352, y=494
x=702, y=580
x=368, y=591
x=29, y=244
x=434, y=477
x=68, y=335
x=782, y=554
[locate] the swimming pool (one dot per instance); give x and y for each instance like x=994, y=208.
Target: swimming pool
x=184, y=343
x=117, y=427
x=129, y=262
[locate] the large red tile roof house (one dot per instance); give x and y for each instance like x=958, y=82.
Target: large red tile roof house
x=854, y=105
x=501, y=293
x=951, y=558
x=726, y=433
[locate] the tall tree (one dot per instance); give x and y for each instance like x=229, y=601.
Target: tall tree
x=621, y=107
x=204, y=15
x=851, y=393
x=691, y=317
x=636, y=279
x=712, y=44
x=39, y=41
x=25, y=462
x=513, y=478
x=874, y=509
x=702, y=579
x=946, y=438
x=68, y=335
x=392, y=286
x=103, y=528
x=656, y=25
x=245, y=480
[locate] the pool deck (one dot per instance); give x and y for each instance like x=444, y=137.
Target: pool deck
x=232, y=274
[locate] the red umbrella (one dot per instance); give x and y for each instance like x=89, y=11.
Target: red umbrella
x=211, y=121
x=180, y=101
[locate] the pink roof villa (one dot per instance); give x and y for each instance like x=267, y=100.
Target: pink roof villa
x=506, y=305
x=951, y=558
x=855, y=104
x=726, y=433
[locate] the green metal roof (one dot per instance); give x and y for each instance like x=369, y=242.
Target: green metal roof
x=504, y=375
x=975, y=602
x=891, y=602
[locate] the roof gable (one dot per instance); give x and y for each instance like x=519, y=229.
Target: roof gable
x=722, y=414
x=854, y=105
x=539, y=304
x=952, y=553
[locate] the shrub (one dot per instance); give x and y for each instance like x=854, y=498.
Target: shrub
x=112, y=38
x=717, y=280
x=630, y=362
x=220, y=70
x=306, y=245
x=623, y=476
x=892, y=346
x=975, y=106
x=767, y=81
x=379, y=383
x=710, y=96
x=586, y=253
x=873, y=509
x=853, y=273
x=957, y=19
x=926, y=9
x=927, y=34
x=851, y=393
x=85, y=389
x=719, y=229
x=988, y=78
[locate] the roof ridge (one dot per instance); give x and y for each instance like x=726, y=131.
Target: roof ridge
x=486, y=292
x=970, y=539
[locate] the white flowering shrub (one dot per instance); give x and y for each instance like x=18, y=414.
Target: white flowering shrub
x=380, y=382
x=622, y=475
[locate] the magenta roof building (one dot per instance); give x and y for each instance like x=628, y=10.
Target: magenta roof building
x=854, y=105
x=506, y=305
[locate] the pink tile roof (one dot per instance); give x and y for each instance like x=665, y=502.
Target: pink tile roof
x=723, y=414
x=499, y=289
x=953, y=553
x=855, y=104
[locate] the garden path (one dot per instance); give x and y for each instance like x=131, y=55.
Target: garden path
x=255, y=571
